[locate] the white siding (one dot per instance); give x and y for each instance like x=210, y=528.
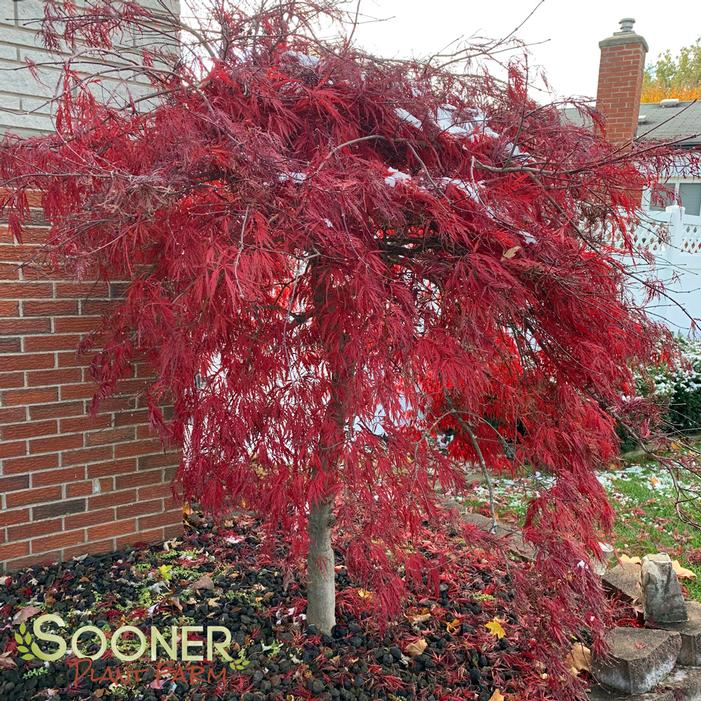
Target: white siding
x=23, y=100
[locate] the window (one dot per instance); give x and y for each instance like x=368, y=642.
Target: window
x=686, y=194
x=690, y=196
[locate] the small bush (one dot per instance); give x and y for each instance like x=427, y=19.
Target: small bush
x=677, y=389
x=680, y=389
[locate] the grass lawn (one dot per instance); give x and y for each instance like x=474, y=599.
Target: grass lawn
x=643, y=496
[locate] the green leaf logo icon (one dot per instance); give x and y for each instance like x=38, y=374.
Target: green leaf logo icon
x=25, y=643
x=27, y=646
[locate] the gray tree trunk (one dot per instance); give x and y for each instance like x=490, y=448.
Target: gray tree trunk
x=321, y=584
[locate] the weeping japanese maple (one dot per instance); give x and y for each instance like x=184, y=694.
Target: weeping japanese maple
x=331, y=259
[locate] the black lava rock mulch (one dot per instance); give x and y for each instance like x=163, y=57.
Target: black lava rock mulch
x=442, y=648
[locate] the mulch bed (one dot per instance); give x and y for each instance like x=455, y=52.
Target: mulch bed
x=222, y=575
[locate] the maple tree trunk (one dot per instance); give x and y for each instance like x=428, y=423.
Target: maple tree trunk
x=321, y=585
x=321, y=572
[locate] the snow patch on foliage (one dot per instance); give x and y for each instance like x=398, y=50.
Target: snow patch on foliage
x=304, y=59
x=396, y=176
x=470, y=189
x=446, y=122
x=408, y=117
x=296, y=177
x=481, y=126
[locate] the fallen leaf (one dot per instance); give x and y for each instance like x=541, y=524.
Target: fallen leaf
x=682, y=572
x=630, y=560
x=25, y=614
x=204, y=582
x=511, y=252
x=495, y=628
x=364, y=594
x=418, y=618
x=6, y=662
x=453, y=626
x=497, y=696
x=416, y=648
x=578, y=659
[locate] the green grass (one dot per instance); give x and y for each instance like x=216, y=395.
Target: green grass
x=643, y=497
x=646, y=522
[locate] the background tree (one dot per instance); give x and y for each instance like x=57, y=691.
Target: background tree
x=331, y=257
x=671, y=76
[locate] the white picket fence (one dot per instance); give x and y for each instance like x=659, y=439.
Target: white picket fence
x=674, y=239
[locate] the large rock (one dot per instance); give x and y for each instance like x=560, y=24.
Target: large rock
x=598, y=693
x=683, y=684
x=690, y=631
x=663, y=601
x=638, y=660
x=624, y=579
x=517, y=544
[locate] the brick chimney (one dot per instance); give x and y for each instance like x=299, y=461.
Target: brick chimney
x=620, y=81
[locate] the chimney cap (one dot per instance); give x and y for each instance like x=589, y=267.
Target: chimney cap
x=626, y=25
x=626, y=35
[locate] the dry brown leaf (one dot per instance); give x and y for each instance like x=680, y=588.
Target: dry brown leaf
x=682, y=572
x=25, y=614
x=630, y=560
x=578, y=659
x=418, y=618
x=497, y=696
x=6, y=662
x=416, y=648
x=204, y=582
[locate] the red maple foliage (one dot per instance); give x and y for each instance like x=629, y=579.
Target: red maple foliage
x=332, y=258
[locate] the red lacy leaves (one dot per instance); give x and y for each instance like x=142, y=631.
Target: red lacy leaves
x=352, y=255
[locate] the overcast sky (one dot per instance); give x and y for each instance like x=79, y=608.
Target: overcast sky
x=571, y=29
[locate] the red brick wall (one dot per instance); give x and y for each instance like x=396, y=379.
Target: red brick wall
x=70, y=482
x=620, y=83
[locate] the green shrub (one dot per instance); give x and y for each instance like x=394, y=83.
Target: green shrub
x=677, y=390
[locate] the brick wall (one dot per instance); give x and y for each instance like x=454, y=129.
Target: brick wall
x=620, y=82
x=70, y=482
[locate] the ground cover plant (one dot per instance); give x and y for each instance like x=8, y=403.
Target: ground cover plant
x=332, y=259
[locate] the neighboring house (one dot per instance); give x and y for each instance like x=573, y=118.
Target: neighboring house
x=70, y=482
x=671, y=224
